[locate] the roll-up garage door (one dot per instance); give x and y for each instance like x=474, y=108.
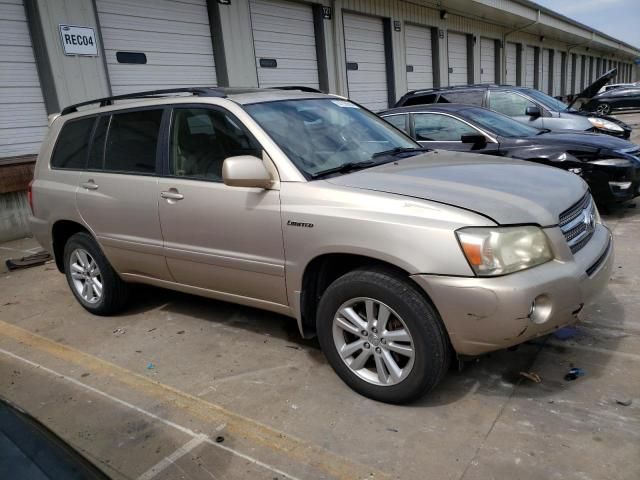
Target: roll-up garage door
x=511, y=63
x=366, y=65
x=23, y=118
x=285, y=43
x=530, y=67
x=578, y=86
x=418, y=56
x=457, y=55
x=545, y=70
x=557, y=73
x=487, y=60
x=152, y=44
x=569, y=82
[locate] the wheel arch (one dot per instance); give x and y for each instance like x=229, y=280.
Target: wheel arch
x=61, y=231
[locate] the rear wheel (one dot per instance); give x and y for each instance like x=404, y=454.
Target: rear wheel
x=603, y=109
x=93, y=281
x=382, y=336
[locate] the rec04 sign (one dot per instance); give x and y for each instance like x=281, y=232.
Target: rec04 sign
x=78, y=40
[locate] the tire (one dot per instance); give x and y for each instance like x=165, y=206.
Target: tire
x=376, y=290
x=81, y=252
x=603, y=109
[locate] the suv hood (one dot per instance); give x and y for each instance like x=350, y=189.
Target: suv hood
x=507, y=191
x=593, y=89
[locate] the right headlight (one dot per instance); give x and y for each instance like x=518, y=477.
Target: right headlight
x=495, y=251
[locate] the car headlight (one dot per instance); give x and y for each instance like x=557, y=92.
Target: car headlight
x=602, y=124
x=612, y=162
x=500, y=250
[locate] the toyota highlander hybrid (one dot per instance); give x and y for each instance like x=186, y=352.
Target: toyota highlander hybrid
x=306, y=204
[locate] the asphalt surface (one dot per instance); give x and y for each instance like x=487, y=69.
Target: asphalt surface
x=184, y=387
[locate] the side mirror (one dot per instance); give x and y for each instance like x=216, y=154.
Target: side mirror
x=245, y=171
x=476, y=139
x=533, y=112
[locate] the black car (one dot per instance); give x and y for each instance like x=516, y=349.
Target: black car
x=611, y=166
x=527, y=105
x=622, y=98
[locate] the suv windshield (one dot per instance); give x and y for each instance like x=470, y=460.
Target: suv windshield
x=547, y=101
x=326, y=134
x=498, y=123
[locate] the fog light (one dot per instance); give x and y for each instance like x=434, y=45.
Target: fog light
x=540, y=310
x=620, y=185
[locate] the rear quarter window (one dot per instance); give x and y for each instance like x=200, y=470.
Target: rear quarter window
x=420, y=100
x=73, y=144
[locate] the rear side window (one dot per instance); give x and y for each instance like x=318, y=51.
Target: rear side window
x=420, y=100
x=469, y=97
x=73, y=144
x=132, y=142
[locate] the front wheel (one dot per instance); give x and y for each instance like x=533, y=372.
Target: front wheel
x=603, y=109
x=382, y=336
x=93, y=281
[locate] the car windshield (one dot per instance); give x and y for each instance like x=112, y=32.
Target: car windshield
x=326, y=134
x=498, y=123
x=547, y=101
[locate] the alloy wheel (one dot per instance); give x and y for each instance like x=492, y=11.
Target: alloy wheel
x=603, y=109
x=373, y=341
x=85, y=275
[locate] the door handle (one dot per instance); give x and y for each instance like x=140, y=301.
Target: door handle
x=90, y=185
x=172, y=195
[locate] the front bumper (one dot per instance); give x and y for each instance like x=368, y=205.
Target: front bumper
x=485, y=314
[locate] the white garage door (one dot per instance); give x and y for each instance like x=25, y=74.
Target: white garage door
x=569, y=80
x=511, y=64
x=530, y=67
x=285, y=43
x=419, y=57
x=545, y=70
x=174, y=36
x=487, y=60
x=557, y=73
x=457, y=55
x=23, y=118
x=366, y=67
x=578, y=85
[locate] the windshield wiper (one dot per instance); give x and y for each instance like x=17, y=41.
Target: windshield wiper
x=344, y=168
x=398, y=150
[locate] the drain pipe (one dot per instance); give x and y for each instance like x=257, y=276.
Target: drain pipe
x=504, y=42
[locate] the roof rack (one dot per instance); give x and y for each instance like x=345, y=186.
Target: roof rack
x=196, y=91
x=298, y=87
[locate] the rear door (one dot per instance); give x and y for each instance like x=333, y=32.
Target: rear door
x=219, y=238
x=117, y=193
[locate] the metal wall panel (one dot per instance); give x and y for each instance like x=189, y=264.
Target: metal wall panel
x=511, y=63
x=487, y=60
x=530, y=68
x=366, y=62
x=418, y=56
x=174, y=36
x=458, y=57
x=577, y=87
x=557, y=73
x=23, y=118
x=544, y=85
x=284, y=32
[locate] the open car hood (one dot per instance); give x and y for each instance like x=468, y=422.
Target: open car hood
x=593, y=89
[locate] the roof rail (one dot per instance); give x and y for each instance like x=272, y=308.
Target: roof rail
x=197, y=91
x=298, y=87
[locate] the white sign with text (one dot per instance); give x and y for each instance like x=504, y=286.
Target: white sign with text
x=78, y=40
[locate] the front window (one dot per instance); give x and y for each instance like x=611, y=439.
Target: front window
x=547, y=101
x=398, y=121
x=322, y=134
x=499, y=124
x=434, y=127
x=509, y=103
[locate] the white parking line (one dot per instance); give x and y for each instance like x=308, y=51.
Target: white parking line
x=170, y=459
x=169, y=423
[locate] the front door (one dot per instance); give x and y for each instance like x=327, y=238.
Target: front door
x=219, y=238
x=437, y=130
x=116, y=195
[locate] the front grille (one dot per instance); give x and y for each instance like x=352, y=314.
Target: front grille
x=578, y=223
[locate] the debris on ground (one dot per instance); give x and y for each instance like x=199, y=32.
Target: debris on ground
x=534, y=377
x=150, y=366
x=219, y=439
x=294, y=347
x=180, y=332
x=395, y=430
x=119, y=331
x=565, y=333
x=152, y=329
x=625, y=402
x=39, y=258
x=574, y=373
